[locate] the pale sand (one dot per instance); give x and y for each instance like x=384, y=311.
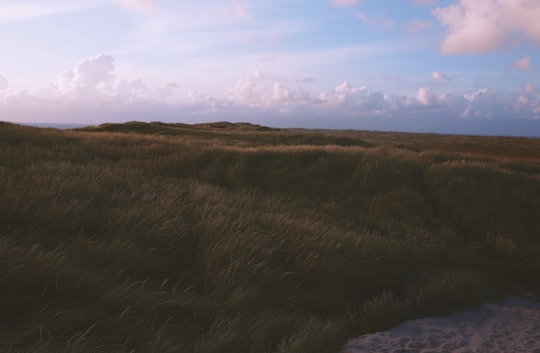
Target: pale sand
x=510, y=326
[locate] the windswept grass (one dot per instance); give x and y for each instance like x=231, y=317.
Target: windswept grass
x=152, y=237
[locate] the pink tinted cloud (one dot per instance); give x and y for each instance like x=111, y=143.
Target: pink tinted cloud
x=425, y=96
x=479, y=26
x=523, y=63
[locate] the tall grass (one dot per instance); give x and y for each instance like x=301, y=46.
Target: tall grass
x=219, y=238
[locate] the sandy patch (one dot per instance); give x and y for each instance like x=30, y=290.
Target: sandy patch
x=510, y=326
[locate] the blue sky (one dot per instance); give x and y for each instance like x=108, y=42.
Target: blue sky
x=458, y=66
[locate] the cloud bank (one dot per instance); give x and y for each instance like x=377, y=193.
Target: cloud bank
x=90, y=92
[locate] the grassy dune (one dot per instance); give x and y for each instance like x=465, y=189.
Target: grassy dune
x=240, y=238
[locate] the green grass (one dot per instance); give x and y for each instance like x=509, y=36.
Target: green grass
x=152, y=237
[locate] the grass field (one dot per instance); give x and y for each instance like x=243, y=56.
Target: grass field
x=152, y=237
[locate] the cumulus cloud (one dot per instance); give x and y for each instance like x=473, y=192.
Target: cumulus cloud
x=90, y=74
x=425, y=96
x=354, y=101
x=94, y=79
x=523, y=63
x=250, y=89
x=343, y=93
x=484, y=103
x=137, y=5
x=89, y=90
x=282, y=93
x=345, y=3
x=479, y=26
x=439, y=77
x=255, y=90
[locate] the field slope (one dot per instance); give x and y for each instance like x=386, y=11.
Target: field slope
x=152, y=237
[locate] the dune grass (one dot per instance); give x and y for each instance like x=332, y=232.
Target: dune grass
x=151, y=237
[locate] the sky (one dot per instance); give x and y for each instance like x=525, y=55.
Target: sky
x=445, y=66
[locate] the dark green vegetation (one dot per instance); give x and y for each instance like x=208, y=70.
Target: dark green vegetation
x=239, y=238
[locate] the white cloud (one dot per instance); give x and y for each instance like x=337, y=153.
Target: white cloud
x=253, y=90
x=523, y=100
x=282, y=93
x=345, y=3
x=478, y=26
x=93, y=81
x=439, y=77
x=347, y=100
x=425, y=96
x=89, y=92
x=484, y=103
x=138, y=5
x=523, y=63
x=344, y=94
x=479, y=94
x=250, y=89
x=89, y=75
